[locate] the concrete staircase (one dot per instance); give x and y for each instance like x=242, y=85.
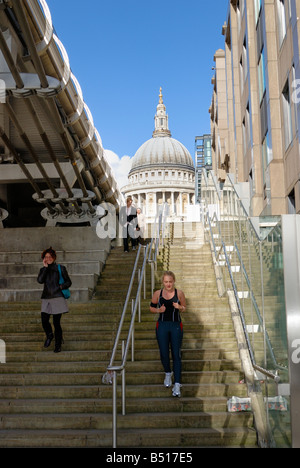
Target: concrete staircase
x=49, y=400
x=211, y=364
x=79, y=249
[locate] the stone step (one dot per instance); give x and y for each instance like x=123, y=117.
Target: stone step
x=189, y=346
x=89, y=378
x=102, y=327
x=102, y=421
x=34, y=294
x=88, y=405
x=61, y=366
x=32, y=269
x=207, y=437
x=34, y=256
x=104, y=355
x=199, y=365
x=82, y=280
x=132, y=391
x=217, y=313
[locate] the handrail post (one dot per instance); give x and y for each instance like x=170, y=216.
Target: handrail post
x=152, y=278
x=114, y=409
x=123, y=383
x=145, y=277
x=139, y=298
x=125, y=308
x=132, y=335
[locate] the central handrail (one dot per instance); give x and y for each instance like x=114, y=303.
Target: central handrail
x=121, y=367
x=117, y=339
x=115, y=369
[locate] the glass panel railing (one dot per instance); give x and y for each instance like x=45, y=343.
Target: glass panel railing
x=254, y=251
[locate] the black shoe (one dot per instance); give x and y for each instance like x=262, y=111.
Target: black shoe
x=57, y=348
x=48, y=340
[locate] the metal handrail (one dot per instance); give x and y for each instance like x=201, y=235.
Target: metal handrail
x=278, y=366
x=266, y=372
x=114, y=369
x=121, y=367
x=125, y=307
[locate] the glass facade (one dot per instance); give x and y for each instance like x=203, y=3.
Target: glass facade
x=249, y=253
x=203, y=159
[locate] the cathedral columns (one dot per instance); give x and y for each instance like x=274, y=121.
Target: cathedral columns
x=150, y=202
x=172, y=204
x=180, y=204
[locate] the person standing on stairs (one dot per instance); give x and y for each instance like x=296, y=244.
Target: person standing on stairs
x=53, y=301
x=168, y=303
x=129, y=225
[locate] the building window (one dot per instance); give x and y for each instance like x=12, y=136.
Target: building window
x=245, y=59
x=261, y=76
x=292, y=203
x=287, y=115
x=267, y=154
x=246, y=130
x=257, y=5
x=281, y=21
x=244, y=64
x=295, y=99
x=240, y=12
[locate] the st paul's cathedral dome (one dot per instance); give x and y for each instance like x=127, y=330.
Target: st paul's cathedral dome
x=162, y=172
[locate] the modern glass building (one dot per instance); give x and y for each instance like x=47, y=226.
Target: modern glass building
x=255, y=105
x=203, y=159
x=253, y=210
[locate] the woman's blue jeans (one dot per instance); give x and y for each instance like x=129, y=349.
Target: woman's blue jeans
x=170, y=333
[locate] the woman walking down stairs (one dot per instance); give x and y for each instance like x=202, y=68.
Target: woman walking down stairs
x=49, y=400
x=211, y=367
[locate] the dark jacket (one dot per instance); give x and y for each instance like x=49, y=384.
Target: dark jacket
x=49, y=277
x=132, y=221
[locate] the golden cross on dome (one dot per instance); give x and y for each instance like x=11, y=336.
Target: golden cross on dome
x=160, y=97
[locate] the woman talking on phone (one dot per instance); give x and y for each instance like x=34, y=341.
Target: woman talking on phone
x=169, y=303
x=53, y=300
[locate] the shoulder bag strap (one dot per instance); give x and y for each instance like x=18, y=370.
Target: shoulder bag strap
x=61, y=280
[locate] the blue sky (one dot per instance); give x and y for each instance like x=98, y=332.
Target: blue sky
x=121, y=52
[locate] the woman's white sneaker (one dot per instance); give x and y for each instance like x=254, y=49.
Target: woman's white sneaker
x=168, y=380
x=176, y=390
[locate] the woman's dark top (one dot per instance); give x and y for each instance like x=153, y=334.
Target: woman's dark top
x=171, y=314
x=49, y=277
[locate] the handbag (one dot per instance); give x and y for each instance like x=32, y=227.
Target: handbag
x=66, y=292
